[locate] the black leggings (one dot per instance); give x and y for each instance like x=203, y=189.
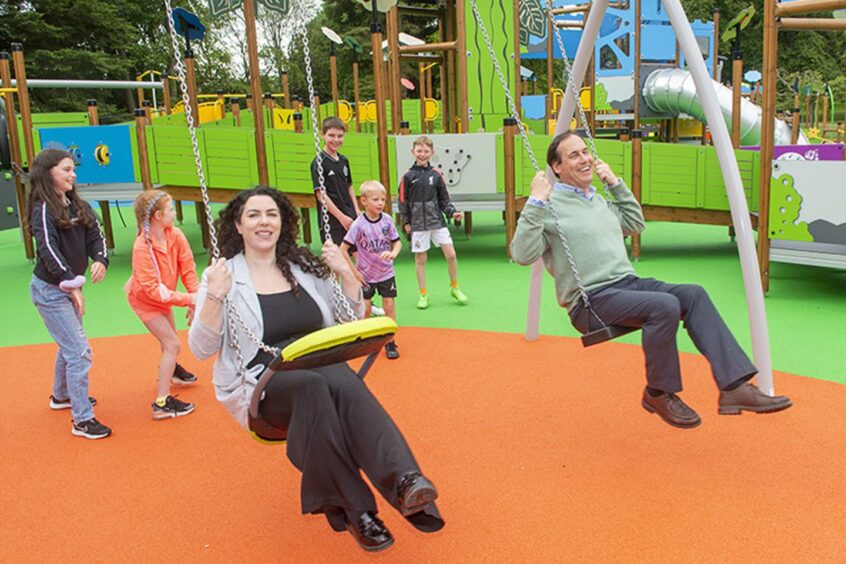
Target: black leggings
x=336, y=427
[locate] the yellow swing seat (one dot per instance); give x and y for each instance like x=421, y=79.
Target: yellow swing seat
x=330, y=345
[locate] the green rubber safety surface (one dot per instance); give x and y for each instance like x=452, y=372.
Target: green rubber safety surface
x=805, y=306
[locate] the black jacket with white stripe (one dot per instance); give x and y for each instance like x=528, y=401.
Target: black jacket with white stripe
x=63, y=253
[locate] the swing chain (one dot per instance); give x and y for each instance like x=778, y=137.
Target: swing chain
x=189, y=119
x=339, y=299
x=570, y=259
x=233, y=318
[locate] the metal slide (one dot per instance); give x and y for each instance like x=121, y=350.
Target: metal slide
x=673, y=91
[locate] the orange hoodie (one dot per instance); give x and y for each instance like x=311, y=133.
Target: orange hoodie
x=174, y=259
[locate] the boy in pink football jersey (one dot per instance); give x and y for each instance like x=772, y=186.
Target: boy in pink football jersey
x=376, y=242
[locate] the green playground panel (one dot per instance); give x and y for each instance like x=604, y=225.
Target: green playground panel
x=290, y=155
x=229, y=157
x=171, y=156
x=689, y=176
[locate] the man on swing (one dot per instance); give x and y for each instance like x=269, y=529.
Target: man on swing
x=594, y=230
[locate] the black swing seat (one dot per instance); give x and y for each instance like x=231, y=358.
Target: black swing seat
x=605, y=333
x=331, y=345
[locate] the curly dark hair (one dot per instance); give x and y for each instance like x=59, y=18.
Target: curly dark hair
x=41, y=189
x=287, y=250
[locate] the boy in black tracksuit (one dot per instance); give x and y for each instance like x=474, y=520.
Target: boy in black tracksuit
x=423, y=202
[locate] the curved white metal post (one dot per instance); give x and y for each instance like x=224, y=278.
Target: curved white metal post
x=580, y=64
x=734, y=190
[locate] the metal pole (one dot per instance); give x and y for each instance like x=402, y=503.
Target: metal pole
x=565, y=114
x=734, y=190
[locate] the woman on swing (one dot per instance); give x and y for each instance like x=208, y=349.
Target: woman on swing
x=335, y=426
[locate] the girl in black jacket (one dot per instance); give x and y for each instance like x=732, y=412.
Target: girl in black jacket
x=67, y=235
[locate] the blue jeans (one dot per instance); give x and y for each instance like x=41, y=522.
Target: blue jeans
x=73, y=361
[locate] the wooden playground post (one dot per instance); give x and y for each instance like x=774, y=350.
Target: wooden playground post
x=518, y=75
x=146, y=105
x=298, y=122
x=421, y=81
x=23, y=100
x=392, y=24
x=143, y=156
x=637, y=134
x=381, y=117
x=235, y=108
x=166, y=92
x=445, y=66
x=268, y=104
x=736, y=87
x=794, y=134
x=284, y=79
x=550, y=82
x=221, y=102
x=139, y=92
x=356, y=97
x=191, y=83
x=770, y=63
x=451, y=84
x=509, y=130
x=315, y=107
x=461, y=78
x=15, y=153
x=333, y=74
x=430, y=125
x=825, y=115
x=255, y=89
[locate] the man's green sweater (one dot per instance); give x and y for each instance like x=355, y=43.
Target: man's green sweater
x=594, y=229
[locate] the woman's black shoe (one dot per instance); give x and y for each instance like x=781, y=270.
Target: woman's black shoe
x=370, y=532
x=415, y=492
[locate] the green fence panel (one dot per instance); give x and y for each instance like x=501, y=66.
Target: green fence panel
x=671, y=174
x=714, y=195
x=524, y=169
x=171, y=155
x=229, y=157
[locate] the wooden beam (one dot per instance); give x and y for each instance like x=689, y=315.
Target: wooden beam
x=800, y=7
x=427, y=47
x=461, y=38
x=812, y=24
x=143, y=154
x=770, y=63
x=518, y=75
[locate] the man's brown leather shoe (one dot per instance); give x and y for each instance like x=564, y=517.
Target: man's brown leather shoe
x=671, y=409
x=749, y=398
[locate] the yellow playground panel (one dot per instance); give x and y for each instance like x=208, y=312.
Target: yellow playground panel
x=691, y=128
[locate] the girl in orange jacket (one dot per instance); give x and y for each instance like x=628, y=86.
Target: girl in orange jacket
x=161, y=257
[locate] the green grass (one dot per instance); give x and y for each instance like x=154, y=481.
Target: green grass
x=805, y=306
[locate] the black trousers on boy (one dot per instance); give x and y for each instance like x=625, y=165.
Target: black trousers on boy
x=336, y=427
x=656, y=308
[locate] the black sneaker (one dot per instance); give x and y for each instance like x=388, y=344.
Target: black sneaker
x=66, y=403
x=391, y=350
x=182, y=377
x=91, y=429
x=172, y=408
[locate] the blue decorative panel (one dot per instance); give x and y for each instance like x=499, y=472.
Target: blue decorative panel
x=103, y=153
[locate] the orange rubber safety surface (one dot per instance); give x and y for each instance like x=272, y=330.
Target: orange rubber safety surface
x=541, y=453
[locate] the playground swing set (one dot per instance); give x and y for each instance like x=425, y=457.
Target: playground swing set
x=674, y=182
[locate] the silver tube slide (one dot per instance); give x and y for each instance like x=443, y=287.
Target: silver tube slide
x=104, y=84
x=673, y=91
